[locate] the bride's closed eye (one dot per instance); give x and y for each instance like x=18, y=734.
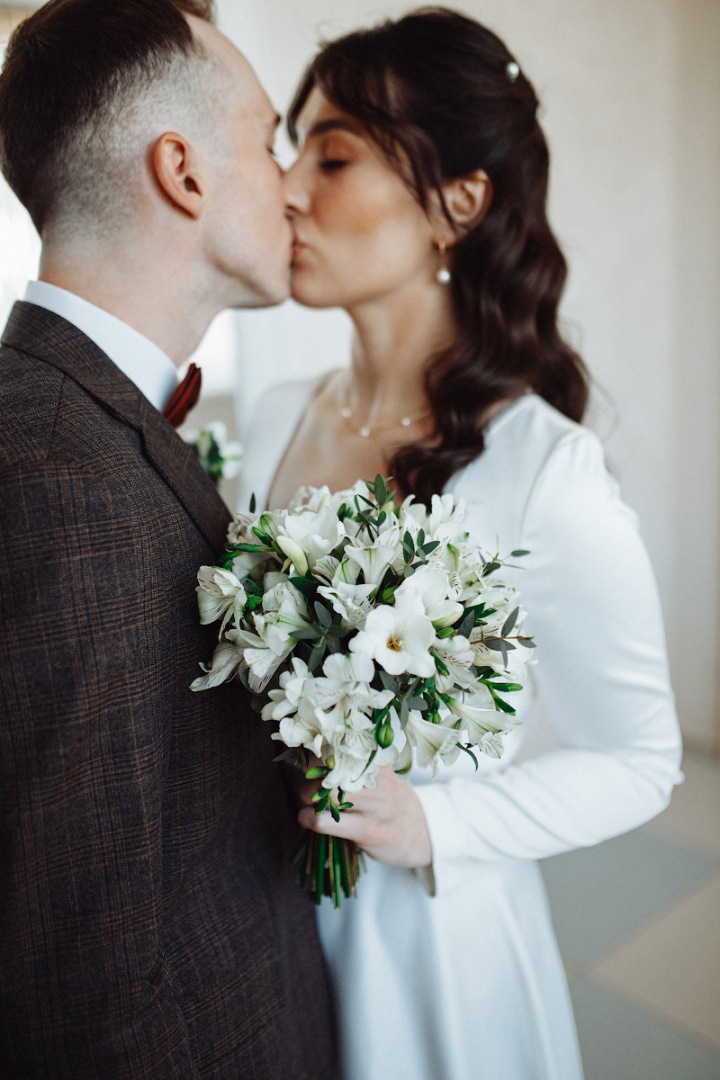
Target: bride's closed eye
x=333, y=163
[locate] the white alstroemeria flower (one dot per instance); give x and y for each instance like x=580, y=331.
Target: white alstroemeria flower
x=399, y=637
x=412, y=517
x=240, y=529
x=457, y=656
x=374, y=559
x=262, y=660
x=226, y=661
x=431, y=741
x=432, y=588
x=327, y=567
x=303, y=728
x=478, y=714
x=286, y=700
x=344, y=693
x=271, y=522
x=352, y=602
x=275, y=588
x=446, y=517
x=314, y=534
x=276, y=628
x=220, y=594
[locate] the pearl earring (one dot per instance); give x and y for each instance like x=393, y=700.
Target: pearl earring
x=443, y=276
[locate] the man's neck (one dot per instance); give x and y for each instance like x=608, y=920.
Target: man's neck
x=165, y=305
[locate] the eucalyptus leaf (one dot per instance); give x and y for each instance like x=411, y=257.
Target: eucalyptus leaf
x=519, y=553
x=509, y=623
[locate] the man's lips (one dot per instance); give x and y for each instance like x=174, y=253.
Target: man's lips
x=297, y=246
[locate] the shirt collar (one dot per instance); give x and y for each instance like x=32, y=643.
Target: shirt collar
x=152, y=371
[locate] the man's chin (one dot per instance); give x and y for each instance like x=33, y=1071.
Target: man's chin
x=266, y=295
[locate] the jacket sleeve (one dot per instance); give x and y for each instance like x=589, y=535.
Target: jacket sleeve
x=601, y=678
x=84, y=989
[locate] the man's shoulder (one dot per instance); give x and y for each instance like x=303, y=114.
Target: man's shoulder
x=30, y=394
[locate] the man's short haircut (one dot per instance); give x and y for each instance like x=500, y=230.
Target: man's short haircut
x=80, y=80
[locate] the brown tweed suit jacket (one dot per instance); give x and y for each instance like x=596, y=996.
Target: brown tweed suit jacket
x=149, y=926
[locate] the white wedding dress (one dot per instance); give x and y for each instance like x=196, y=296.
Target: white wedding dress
x=455, y=974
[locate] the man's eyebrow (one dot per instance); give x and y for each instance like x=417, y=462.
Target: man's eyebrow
x=336, y=124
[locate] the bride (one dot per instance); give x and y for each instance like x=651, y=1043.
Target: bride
x=418, y=204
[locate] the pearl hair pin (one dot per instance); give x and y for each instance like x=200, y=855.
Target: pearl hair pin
x=512, y=71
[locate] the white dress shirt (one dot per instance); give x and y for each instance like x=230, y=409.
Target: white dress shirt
x=152, y=370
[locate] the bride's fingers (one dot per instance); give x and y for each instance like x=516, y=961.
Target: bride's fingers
x=349, y=827
x=307, y=790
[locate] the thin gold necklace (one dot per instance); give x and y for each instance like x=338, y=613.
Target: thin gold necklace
x=366, y=431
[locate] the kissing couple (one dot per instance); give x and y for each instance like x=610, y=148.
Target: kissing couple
x=151, y=925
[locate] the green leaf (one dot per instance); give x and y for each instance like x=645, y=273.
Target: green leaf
x=491, y=567
x=509, y=623
x=335, y=812
x=429, y=548
x=322, y=804
x=286, y=754
x=467, y=626
x=346, y=805
x=496, y=644
x=519, y=553
x=262, y=536
x=323, y=614
x=311, y=634
x=316, y=656
x=409, y=571
x=254, y=547
x=469, y=752
x=507, y=687
x=389, y=681
x=333, y=644
x=319, y=794
x=308, y=588
x=528, y=642
x=253, y=503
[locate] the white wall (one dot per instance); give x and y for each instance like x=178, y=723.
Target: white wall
x=630, y=95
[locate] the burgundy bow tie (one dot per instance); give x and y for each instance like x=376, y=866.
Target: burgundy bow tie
x=184, y=398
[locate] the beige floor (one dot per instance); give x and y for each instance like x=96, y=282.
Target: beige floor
x=644, y=958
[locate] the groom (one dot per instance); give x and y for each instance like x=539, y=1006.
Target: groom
x=149, y=924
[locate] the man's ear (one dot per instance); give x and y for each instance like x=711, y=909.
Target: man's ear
x=468, y=200
x=178, y=175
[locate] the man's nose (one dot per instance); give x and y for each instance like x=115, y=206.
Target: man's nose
x=297, y=197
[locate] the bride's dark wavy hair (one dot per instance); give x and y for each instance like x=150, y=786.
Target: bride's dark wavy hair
x=435, y=92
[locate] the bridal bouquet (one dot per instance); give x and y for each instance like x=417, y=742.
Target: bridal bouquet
x=373, y=635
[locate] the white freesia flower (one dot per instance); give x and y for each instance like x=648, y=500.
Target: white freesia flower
x=220, y=595
x=399, y=637
x=431, y=741
x=226, y=661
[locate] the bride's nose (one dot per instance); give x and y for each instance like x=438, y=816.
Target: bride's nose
x=297, y=197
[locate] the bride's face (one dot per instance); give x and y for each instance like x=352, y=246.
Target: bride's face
x=360, y=234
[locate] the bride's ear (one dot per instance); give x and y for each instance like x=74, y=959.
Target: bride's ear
x=468, y=200
x=177, y=173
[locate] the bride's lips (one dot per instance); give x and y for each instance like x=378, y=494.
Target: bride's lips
x=297, y=247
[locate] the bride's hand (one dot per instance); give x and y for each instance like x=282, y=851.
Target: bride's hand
x=387, y=822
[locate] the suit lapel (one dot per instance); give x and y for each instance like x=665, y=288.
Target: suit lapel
x=52, y=339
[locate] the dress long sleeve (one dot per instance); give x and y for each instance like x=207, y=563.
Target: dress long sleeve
x=601, y=678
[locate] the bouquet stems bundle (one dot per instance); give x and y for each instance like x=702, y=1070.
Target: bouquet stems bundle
x=372, y=634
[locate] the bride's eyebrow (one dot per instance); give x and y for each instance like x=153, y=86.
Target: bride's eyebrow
x=336, y=124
